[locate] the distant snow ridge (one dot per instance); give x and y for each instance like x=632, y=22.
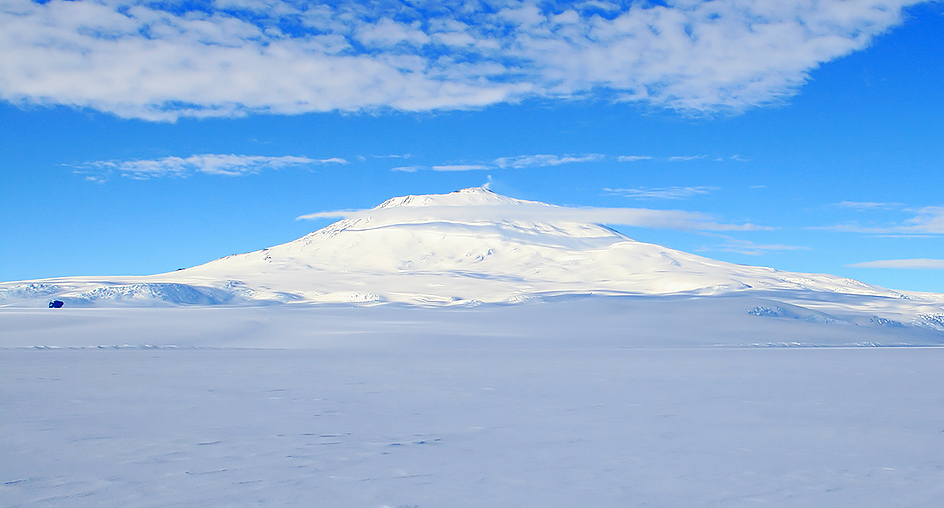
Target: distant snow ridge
x=780, y=312
x=880, y=321
x=163, y=292
x=29, y=290
x=932, y=321
x=769, y=312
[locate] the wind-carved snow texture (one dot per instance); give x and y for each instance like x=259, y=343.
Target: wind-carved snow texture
x=474, y=247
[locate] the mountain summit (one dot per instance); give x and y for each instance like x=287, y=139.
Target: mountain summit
x=467, y=247
x=473, y=196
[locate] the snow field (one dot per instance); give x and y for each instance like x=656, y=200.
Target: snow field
x=498, y=426
x=564, y=401
x=553, y=322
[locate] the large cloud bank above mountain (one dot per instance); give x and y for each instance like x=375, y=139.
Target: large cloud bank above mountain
x=162, y=61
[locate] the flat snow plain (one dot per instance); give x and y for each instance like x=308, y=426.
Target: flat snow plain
x=605, y=402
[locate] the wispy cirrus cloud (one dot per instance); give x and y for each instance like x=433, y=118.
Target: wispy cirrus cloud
x=166, y=60
x=539, y=212
x=461, y=167
x=928, y=221
x=683, y=158
x=527, y=161
x=518, y=162
x=913, y=264
x=393, y=156
x=210, y=164
x=662, y=192
x=680, y=158
x=751, y=248
x=550, y=160
x=867, y=205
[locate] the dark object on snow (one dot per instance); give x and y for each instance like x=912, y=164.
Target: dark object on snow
x=55, y=304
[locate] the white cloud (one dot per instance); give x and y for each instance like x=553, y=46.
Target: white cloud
x=684, y=158
x=928, y=221
x=461, y=167
x=526, y=161
x=211, y=164
x=678, y=158
x=866, y=205
x=151, y=60
x=603, y=6
x=521, y=161
x=538, y=212
x=393, y=156
x=752, y=249
x=662, y=192
x=925, y=264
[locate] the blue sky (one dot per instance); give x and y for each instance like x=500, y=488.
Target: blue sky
x=140, y=137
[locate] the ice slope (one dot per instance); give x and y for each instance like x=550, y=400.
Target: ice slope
x=470, y=247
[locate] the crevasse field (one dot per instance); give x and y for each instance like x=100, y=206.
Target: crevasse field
x=582, y=401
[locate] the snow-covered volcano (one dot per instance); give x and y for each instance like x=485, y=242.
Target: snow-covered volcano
x=467, y=247
x=475, y=245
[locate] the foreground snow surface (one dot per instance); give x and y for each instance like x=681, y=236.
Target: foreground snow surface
x=576, y=403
